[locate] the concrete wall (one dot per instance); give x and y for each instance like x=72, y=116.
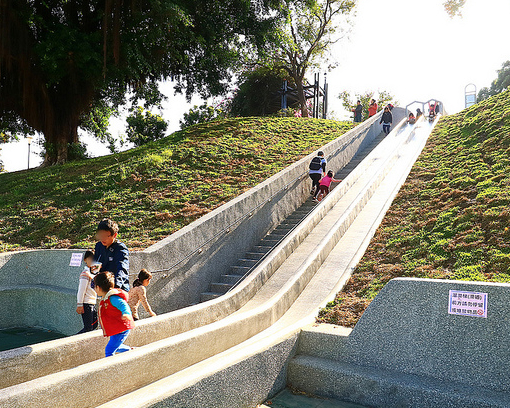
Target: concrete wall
x=408, y=351
x=270, y=201
x=411, y=316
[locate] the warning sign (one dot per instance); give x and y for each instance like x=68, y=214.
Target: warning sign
x=464, y=303
x=76, y=258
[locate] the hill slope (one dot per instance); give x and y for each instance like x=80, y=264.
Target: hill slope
x=156, y=189
x=450, y=219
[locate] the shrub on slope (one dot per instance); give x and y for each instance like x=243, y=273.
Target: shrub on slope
x=154, y=190
x=450, y=219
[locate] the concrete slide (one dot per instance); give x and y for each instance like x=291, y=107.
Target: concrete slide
x=184, y=351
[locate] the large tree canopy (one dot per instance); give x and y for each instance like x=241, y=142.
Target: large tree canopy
x=60, y=59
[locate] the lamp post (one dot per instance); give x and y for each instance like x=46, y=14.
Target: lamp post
x=29, y=138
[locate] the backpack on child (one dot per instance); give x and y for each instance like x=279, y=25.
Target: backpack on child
x=316, y=163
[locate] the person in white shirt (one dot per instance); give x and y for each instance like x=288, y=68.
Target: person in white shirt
x=86, y=297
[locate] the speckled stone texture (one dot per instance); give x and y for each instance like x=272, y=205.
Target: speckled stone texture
x=407, y=351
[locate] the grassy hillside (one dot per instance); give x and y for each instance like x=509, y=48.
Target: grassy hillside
x=156, y=189
x=450, y=219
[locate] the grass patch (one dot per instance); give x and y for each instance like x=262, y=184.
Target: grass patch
x=451, y=218
x=156, y=189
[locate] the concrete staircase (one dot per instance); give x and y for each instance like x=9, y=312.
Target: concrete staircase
x=251, y=259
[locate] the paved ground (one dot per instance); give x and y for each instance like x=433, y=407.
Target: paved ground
x=286, y=399
x=18, y=337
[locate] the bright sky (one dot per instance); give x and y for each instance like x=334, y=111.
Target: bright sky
x=409, y=48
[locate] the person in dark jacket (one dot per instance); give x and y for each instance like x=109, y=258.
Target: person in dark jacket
x=386, y=120
x=357, y=112
x=113, y=255
x=317, y=171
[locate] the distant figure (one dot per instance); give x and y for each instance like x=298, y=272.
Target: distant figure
x=418, y=113
x=386, y=120
x=86, y=297
x=113, y=255
x=411, y=119
x=317, y=170
x=357, y=112
x=139, y=294
x=432, y=110
x=390, y=107
x=114, y=313
x=438, y=108
x=372, y=108
x=324, y=185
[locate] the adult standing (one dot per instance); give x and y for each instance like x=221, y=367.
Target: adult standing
x=372, y=108
x=317, y=171
x=386, y=120
x=357, y=112
x=113, y=255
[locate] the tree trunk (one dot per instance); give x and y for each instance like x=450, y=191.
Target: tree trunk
x=59, y=138
x=301, y=97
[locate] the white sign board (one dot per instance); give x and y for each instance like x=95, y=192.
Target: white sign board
x=76, y=258
x=464, y=303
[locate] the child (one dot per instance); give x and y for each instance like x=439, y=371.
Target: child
x=114, y=313
x=86, y=297
x=324, y=185
x=139, y=294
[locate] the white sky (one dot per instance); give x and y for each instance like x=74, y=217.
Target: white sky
x=409, y=48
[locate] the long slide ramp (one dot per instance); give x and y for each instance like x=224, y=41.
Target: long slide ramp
x=232, y=350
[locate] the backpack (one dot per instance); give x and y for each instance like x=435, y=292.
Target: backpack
x=316, y=163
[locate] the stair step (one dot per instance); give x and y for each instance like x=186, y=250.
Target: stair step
x=246, y=262
x=239, y=270
x=346, y=381
x=269, y=242
x=230, y=279
x=205, y=296
x=276, y=235
x=219, y=287
x=254, y=255
x=262, y=248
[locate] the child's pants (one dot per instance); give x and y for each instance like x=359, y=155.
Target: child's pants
x=115, y=344
x=89, y=318
x=386, y=128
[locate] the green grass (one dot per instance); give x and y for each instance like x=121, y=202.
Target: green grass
x=450, y=219
x=154, y=190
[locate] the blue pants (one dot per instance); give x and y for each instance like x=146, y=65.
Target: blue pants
x=386, y=128
x=115, y=344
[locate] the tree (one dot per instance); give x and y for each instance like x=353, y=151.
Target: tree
x=144, y=127
x=202, y=114
x=501, y=83
x=259, y=92
x=349, y=102
x=454, y=7
x=61, y=59
x=312, y=27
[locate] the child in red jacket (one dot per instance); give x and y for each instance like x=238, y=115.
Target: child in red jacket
x=114, y=313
